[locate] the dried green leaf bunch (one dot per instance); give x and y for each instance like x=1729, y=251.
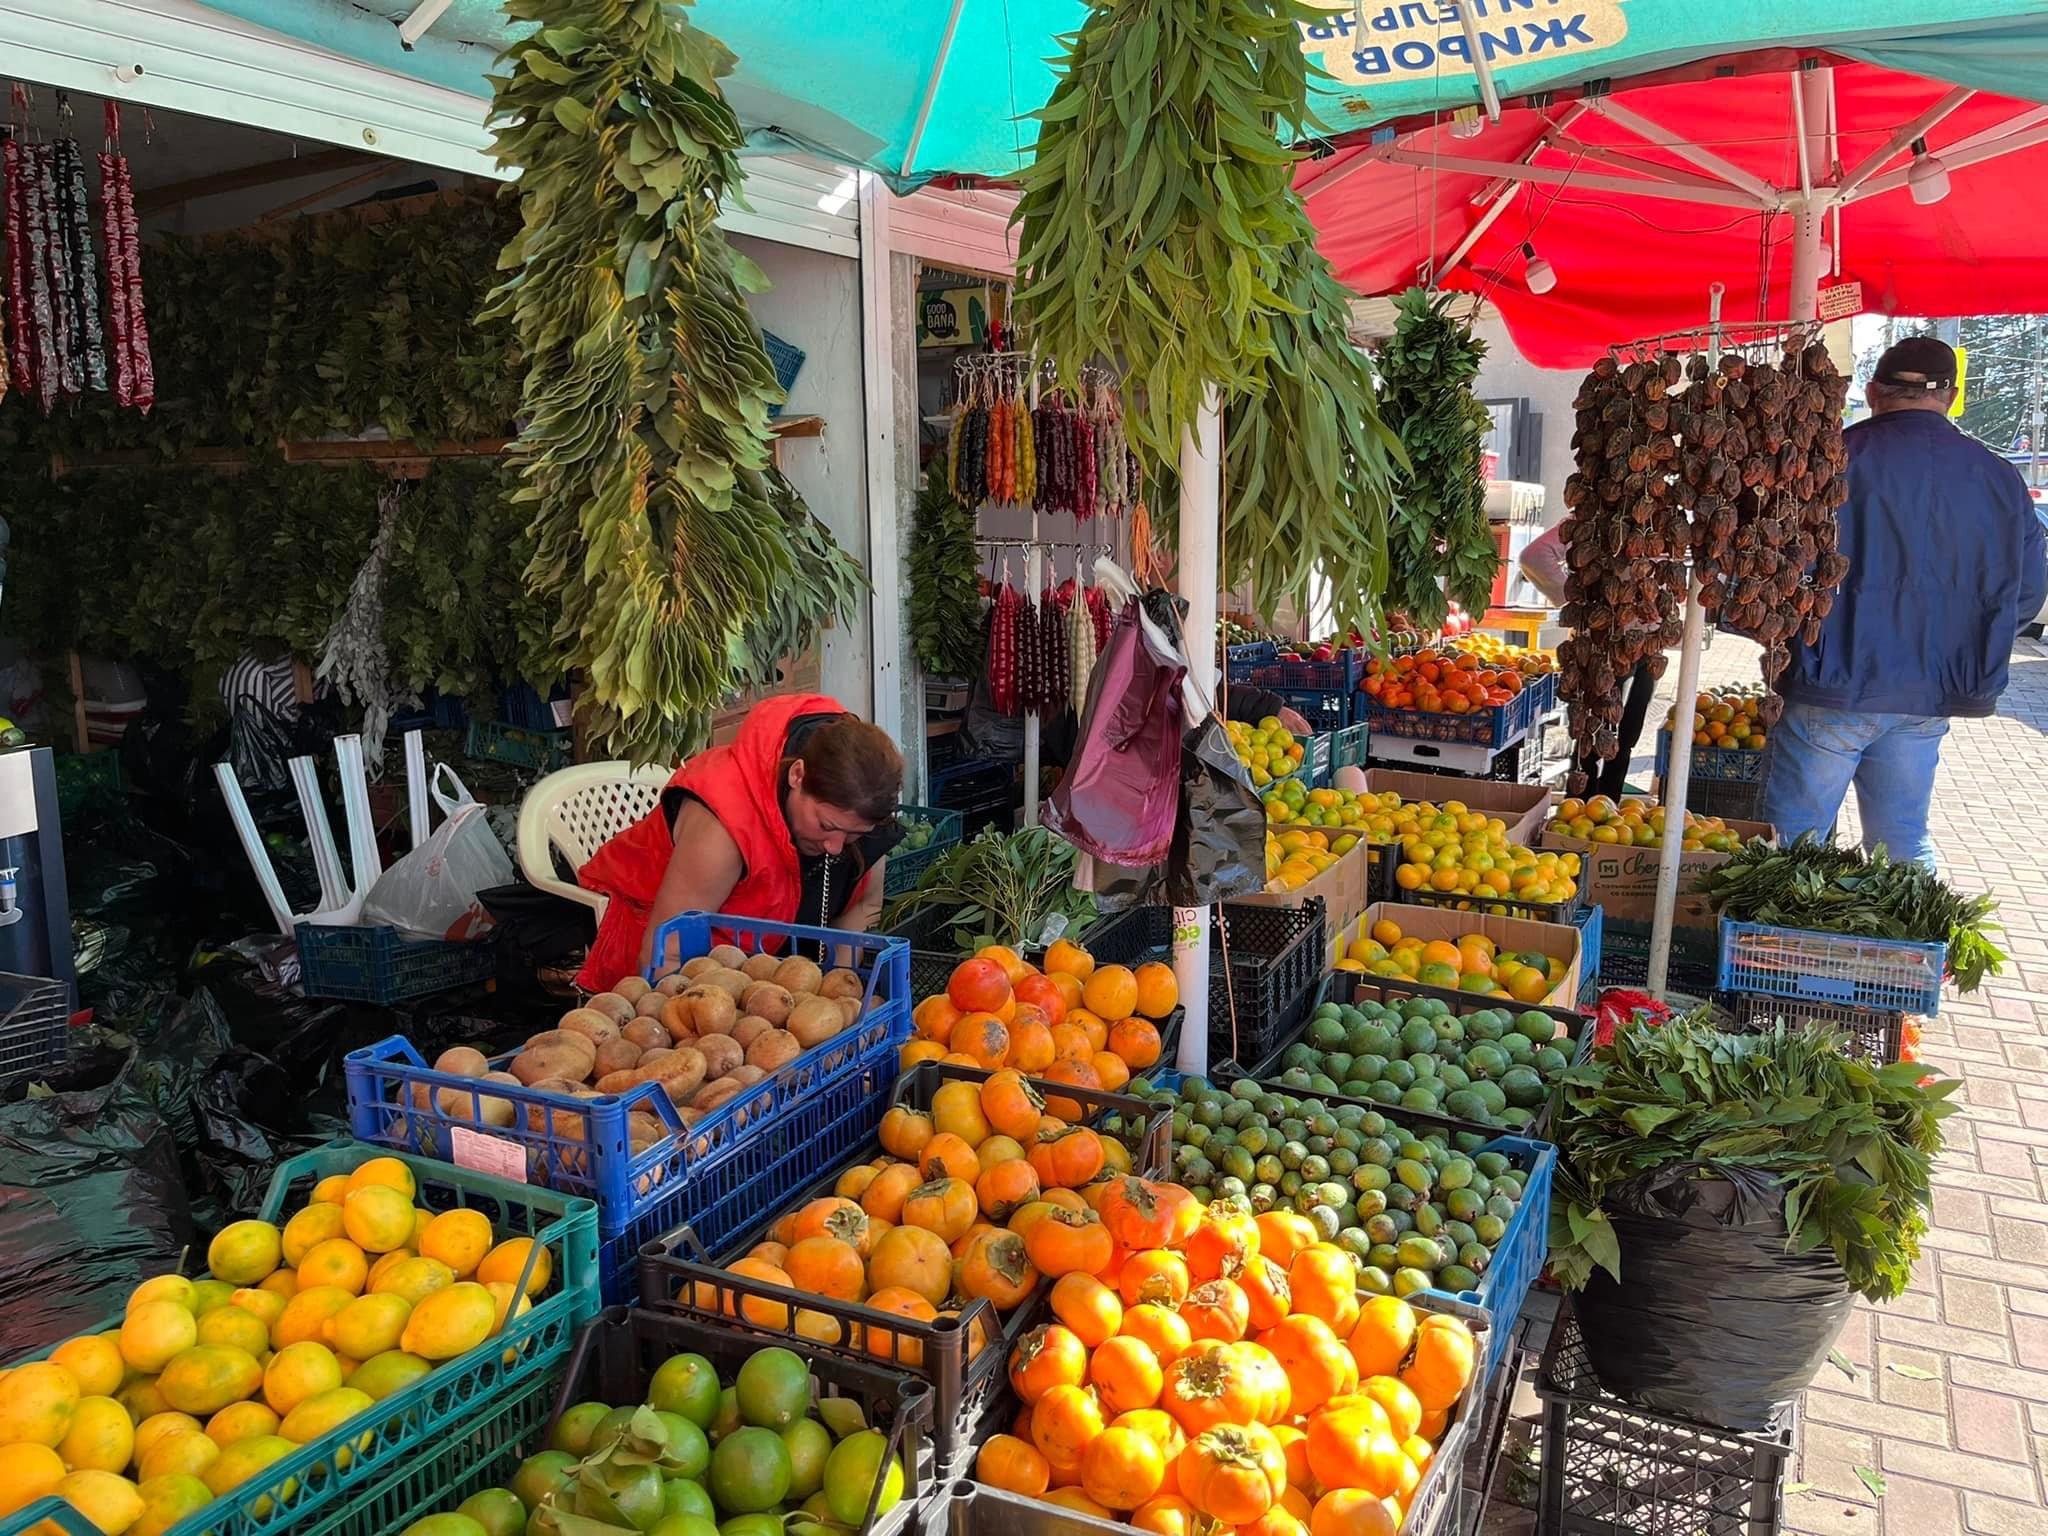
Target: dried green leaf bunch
x=1161, y=231
x=660, y=531
x=1851, y=1143
x=1440, y=545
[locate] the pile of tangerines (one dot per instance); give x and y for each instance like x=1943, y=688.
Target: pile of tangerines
x=1072, y=1022
x=1221, y=1369
x=1452, y=682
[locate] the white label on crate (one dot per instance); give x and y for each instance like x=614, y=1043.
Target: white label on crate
x=487, y=1154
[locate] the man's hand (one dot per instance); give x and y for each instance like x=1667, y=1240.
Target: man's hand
x=1296, y=723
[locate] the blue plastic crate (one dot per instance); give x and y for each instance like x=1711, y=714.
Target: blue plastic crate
x=371, y=1472
x=1349, y=747
x=1325, y=709
x=1590, y=920
x=786, y=360
x=1714, y=765
x=1518, y=1260
x=906, y=866
x=522, y=705
x=1240, y=659
x=764, y=1140
x=1491, y=728
x=1316, y=760
x=1340, y=675
x=516, y=746
x=1888, y=975
x=382, y=965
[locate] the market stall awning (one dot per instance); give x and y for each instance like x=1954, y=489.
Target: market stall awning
x=917, y=88
x=1634, y=202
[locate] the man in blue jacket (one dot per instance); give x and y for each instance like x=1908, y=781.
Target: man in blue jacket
x=1946, y=562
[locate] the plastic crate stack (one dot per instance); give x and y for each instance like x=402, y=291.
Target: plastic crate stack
x=1865, y=988
x=906, y=865
x=716, y=1174
x=1319, y=691
x=1591, y=921
x=1722, y=782
x=373, y=1472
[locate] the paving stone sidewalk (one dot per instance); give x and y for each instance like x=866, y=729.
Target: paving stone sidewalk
x=1964, y=1446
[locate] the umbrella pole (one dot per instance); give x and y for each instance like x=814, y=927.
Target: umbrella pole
x=1678, y=776
x=1195, y=563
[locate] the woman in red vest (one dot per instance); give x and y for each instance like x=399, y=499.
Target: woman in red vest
x=790, y=823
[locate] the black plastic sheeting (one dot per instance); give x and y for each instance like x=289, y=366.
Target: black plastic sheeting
x=1714, y=1319
x=91, y=1200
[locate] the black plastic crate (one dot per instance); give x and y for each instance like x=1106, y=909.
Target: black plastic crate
x=1730, y=799
x=1612, y=1468
x=678, y=1274
x=1873, y=1034
x=1268, y=961
x=1325, y=709
x=1694, y=966
x=1566, y=912
x=1130, y=937
x=618, y=1351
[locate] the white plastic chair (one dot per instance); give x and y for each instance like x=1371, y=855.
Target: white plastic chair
x=578, y=810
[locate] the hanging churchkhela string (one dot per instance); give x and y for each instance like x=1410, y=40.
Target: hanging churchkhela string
x=134, y=373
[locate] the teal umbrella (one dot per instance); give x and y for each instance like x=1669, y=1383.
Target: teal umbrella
x=922, y=88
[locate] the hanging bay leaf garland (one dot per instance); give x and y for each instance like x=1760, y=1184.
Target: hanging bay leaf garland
x=661, y=531
x=945, y=581
x=1439, y=527
x=1161, y=229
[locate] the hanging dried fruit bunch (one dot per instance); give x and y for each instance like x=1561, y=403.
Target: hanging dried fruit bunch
x=1735, y=464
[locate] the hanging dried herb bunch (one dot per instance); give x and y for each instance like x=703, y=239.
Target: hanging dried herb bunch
x=1439, y=536
x=659, y=527
x=1161, y=232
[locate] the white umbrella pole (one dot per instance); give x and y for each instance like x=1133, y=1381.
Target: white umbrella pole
x=1201, y=500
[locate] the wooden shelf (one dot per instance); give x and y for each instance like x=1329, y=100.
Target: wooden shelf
x=798, y=426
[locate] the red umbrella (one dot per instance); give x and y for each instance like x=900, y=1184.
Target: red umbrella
x=1589, y=219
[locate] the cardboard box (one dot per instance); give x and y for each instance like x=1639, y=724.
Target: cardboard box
x=1342, y=887
x=1624, y=880
x=1524, y=807
x=1510, y=933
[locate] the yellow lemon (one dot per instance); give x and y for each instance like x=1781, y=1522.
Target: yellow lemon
x=210, y=1295
x=502, y=1292
x=241, y=1421
x=167, y=1500
x=415, y=1279
x=101, y=1437
x=297, y=1372
x=459, y=1239
x=189, y=1454
x=450, y=1322
x=331, y=1190
x=384, y=1265
x=107, y=1499
x=304, y=1319
x=324, y=1411
x=37, y=1403
x=243, y=1460
x=28, y=1472
x=265, y=1305
x=378, y=1218
x=158, y=1425
x=281, y=1282
x=384, y=1173
x=163, y=1288
x=392, y=1371
x=207, y=1377
x=315, y=1224
x=94, y=1361
x=336, y=1262
x=505, y=1262
x=422, y=1218
x=235, y=1327
x=243, y=1252
x=141, y=1398
x=368, y=1326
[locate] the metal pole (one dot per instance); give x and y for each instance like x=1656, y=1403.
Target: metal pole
x=1810, y=214
x=1201, y=500
x=1677, y=778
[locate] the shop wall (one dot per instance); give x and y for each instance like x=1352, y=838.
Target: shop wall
x=815, y=305
x=1506, y=374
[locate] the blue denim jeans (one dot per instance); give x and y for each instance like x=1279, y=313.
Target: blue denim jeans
x=1816, y=754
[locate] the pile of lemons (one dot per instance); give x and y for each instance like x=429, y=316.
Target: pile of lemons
x=293, y=1332
x=1471, y=962
x=1633, y=822
x=1269, y=750
x=1454, y=850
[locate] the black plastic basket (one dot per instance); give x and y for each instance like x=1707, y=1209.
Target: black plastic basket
x=1275, y=964
x=1612, y=1468
x=677, y=1273
x=1566, y=911
x=1694, y=965
x=1873, y=1034
x=619, y=1350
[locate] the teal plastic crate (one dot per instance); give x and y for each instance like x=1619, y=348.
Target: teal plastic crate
x=373, y=1473
x=906, y=866
x=517, y=746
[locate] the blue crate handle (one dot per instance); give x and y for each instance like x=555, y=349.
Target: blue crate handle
x=888, y=958
x=396, y=1050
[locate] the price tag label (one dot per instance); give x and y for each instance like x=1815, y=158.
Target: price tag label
x=487, y=1154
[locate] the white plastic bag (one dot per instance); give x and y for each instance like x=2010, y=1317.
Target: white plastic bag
x=432, y=892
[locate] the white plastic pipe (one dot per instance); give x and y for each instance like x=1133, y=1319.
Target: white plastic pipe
x=1201, y=499
x=252, y=847
x=416, y=814
x=319, y=836
x=355, y=801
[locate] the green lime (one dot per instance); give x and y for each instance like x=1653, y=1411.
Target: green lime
x=540, y=1475
x=727, y=1419
x=773, y=1388
x=859, y=1469
x=497, y=1510
x=689, y=1449
x=572, y=1431
x=809, y=1443
x=686, y=1496
x=750, y=1471
x=445, y=1525
x=683, y=1525
x=686, y=1384
x=620, y=1493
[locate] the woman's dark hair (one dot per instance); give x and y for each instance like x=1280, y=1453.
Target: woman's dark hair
x=853, y=765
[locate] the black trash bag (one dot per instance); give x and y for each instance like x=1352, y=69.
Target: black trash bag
x=1219, y=835
x=535, y=930
x=91, y=1203
x=1714, y=1319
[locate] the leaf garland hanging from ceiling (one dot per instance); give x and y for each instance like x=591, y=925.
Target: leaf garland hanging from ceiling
x=661, y=530
x=1441, y=537
x=1161, y=228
